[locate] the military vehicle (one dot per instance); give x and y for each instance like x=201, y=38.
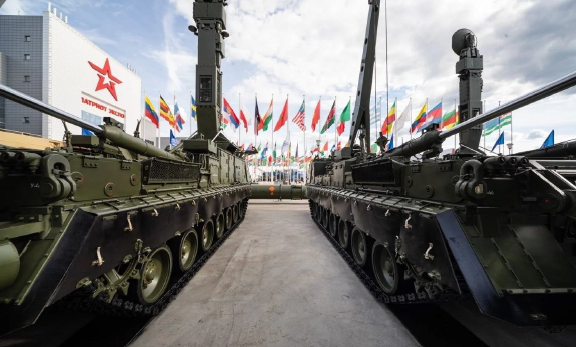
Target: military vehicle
x=417, y=227
x=111, y=220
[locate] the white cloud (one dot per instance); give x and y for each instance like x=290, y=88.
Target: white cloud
x=313, y=47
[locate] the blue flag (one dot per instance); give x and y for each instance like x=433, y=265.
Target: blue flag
x=173, y=141
x=89, y=133
x=193, y=107
x=391, y=143
x=549, y=140
x=500, y=141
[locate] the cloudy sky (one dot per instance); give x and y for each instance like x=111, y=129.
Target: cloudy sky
x=313, y=48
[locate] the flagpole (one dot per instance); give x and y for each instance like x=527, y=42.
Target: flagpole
x=240, y=128
x=159, y=122
x=455, y=111
x=190, y=115
x=288, y=132
x=335, y=131
x=499, y=132
x=484, y=110
x=304, y=121
x=272, y=121
x=410, y=119
x=511, y=136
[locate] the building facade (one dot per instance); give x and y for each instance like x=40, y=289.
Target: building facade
x=44, y=57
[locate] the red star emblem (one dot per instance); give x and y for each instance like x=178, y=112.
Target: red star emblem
x=105, y=71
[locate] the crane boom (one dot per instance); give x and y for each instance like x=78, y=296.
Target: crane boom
x=361, y=116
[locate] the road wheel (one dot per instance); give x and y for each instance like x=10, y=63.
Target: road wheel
x=242, y=208
x=344, y=233
x=361, y=246
x=184, y=250
x=154, y=276
x=207, y=235
x=219, y=222
x=228, y=218
x=325, y=218
x=333, y=225
x=386, y=270
x=235, y=213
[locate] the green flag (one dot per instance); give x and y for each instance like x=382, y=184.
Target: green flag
x=344, y=117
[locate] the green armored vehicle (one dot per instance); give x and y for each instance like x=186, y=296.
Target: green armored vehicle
x=112, y=220
x=417, y=227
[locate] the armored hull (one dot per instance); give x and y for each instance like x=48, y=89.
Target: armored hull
x=418, y=241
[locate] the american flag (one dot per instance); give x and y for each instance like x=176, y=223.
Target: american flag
x=299, y=117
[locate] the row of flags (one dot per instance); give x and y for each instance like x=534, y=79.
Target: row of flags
x=175, y=120
x=391, y=125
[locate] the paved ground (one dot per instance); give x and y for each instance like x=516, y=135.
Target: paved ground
x=275, y=282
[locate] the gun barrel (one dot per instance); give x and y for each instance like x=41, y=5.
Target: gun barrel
x=38, y=105
x=538, y=94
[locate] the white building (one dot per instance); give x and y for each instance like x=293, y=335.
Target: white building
x=45, y=57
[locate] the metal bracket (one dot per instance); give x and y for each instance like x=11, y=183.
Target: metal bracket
x=155, y=213
x=407, y=224
x=427, y=255
x=387, y=214
x=98, y=261
x=129, y=227
x=177, y=207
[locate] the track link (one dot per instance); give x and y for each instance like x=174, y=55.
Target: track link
x=408, y=298
x=82, y=300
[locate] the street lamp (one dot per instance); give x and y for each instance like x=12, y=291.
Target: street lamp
x=509, y=147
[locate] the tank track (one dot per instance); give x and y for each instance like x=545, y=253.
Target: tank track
x=82, y=300
x=377, y=293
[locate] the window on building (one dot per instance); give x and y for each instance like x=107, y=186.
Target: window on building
x=26, y=56
x=26, y=120
x=27, y=78
x=27, y=38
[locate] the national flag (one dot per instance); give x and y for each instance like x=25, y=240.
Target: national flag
x=193, y=107
x=399, y=123
x=449, y=120
x=549, y=141
x=173, y=141
x=296, y=154
x=179, y=120
x=420, y=119
x=316, y=116
x=390, y=118
x=300, y=117
x=500, y=141
x=374, y=148
x=259, y=146
x=150, y=112
x=325, y=149
x=344, y=117
x=497, y=123
x=390, y=143
x=338, y=146
x=283, y=117
x=267, y=117
x=231, y=115
x=286, y=144
x=166, y=113
x=329, y=119
x=333, y=148
x=257, y=119
x=223, y=121
x=435, y=115
x=244, y=116
x=274, y=151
